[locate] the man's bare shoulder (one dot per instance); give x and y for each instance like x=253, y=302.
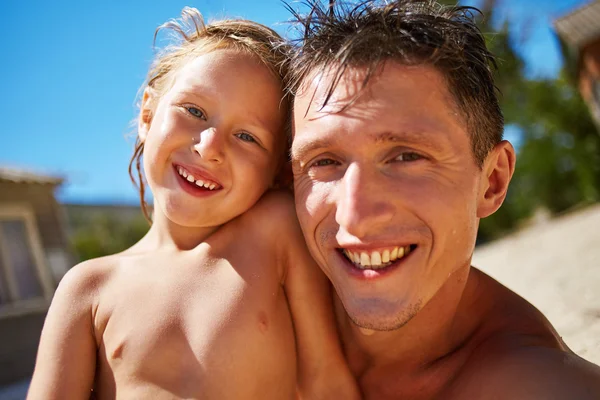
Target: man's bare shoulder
x=534, y=372
x=521, y=356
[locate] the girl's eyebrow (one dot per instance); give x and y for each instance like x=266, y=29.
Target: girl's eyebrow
x=255, y=125
x=188, y=92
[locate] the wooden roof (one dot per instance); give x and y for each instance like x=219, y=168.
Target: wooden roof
x=581, y=26
x=18, y=175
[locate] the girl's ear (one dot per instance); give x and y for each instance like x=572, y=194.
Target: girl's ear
x=146, y=114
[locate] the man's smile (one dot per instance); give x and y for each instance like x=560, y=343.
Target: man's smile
x=368, y=263
x=376, y=259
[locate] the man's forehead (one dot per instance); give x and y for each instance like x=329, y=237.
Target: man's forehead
x=330, y=90
x=408, y=102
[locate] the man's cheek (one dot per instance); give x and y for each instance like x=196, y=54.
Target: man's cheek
x=311, y=197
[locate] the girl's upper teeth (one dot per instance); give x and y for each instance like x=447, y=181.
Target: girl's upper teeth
x=198, y=182
x=376, y=259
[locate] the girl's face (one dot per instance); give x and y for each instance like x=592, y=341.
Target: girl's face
x=214, y=141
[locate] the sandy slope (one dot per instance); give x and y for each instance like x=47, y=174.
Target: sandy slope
x=556, y=266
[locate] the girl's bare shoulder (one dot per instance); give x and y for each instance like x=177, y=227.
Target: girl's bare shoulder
x=89, y=278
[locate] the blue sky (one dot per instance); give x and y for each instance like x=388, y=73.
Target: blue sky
x=70, y=71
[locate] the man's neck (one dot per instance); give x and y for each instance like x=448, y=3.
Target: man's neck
x=440, y=328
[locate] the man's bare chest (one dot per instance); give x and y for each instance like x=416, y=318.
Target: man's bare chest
x=433, y=381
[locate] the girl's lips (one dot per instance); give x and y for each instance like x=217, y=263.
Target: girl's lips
x=198, y=176
x=194, y=188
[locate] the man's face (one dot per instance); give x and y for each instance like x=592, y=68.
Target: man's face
x=386, y=190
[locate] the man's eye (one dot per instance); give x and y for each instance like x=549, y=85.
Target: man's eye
x=323, y=163
x=408, y=156
x=246, y=137
x=196, y=112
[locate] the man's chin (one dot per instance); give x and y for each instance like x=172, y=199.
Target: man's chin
x=384, y=317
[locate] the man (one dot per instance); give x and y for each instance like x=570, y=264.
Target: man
x=397, y=154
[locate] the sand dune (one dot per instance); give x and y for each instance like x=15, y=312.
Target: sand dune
x=555, y=265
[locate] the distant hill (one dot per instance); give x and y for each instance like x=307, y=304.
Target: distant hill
x=99, y=230
x=79, y=215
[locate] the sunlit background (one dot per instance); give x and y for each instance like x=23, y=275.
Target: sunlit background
x=69, y=75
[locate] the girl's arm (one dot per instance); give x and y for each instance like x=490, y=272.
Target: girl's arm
x=322, y=369
x=66, y=357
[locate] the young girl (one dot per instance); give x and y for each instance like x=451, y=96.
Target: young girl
x=220, y=300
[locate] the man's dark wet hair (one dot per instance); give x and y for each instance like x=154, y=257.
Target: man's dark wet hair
x=337, y=36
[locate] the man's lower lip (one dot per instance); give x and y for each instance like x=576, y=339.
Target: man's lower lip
x=193, y=189
x=367, y=273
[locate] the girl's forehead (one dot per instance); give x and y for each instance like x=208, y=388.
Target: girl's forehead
x=198, y=71
x=224, y=65
x=219, y=61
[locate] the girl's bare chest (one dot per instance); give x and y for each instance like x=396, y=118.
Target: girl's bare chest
x=192, y=328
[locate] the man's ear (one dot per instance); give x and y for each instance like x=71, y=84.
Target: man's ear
x=146, y=113
x=498, y=170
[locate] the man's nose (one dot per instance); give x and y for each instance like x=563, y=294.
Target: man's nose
x=210, y=145
x=363, y=203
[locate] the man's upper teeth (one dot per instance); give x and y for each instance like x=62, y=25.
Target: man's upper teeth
x=198, y=182
x=376, y=258
x=385, y=256
x=365, y=259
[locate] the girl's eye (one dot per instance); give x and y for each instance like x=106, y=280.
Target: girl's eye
x=409, y=156
x=196, y=112
x=246, y=137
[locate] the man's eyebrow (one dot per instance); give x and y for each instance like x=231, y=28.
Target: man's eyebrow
x=420, y=137
x=298, y=151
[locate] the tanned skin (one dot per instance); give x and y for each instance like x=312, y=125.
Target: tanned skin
x=390, y=166
x=221, y=299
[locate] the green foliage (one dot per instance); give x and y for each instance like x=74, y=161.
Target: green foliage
x=558, y=160
x=560, y=155
x=105, y=233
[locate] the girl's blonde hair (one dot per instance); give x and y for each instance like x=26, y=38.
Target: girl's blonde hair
x=192, y=38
